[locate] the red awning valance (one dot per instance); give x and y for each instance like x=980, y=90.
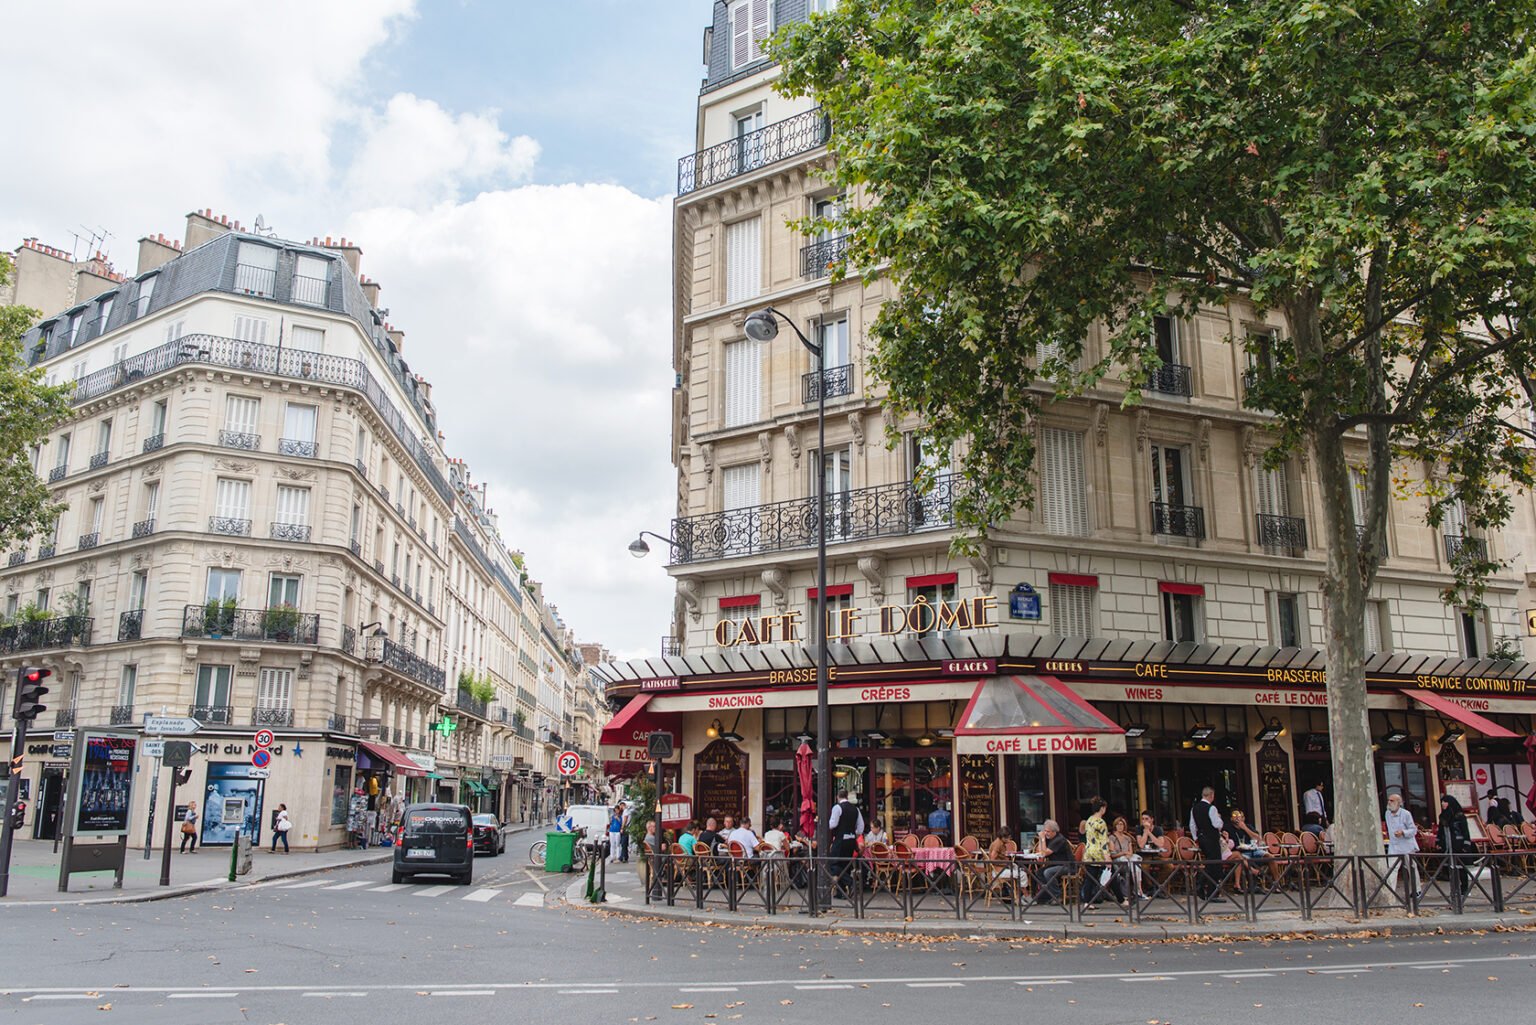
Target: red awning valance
x=398, y=763
x=1465, y=716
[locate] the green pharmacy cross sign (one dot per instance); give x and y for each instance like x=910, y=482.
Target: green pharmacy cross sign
x=445, y=726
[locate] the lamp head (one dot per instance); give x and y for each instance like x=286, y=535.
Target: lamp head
x=761, y=326
x=638, y=548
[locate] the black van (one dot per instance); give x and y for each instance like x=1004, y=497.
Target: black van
x=435, y=839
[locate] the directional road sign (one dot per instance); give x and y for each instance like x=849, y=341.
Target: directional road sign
x=264, y=738
x=261, y=758
x=153, y=748
x=568, y=763
x=63, y=736
x=62, y=750
x=176, y=725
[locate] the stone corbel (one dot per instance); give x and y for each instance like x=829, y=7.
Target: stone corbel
x=1251, y=449
x=824, y=296
x=707, y=456
x=872, y=569
x=1203, y=436
x=1101, y=423
x=765, y=447
x=856, y=425
x=688, y=591
x=792, y=436
x=1143, y=429
x=777, y=581
x=982, y=564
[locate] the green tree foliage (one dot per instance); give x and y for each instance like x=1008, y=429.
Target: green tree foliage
x=29, y=409
x=1031, y=169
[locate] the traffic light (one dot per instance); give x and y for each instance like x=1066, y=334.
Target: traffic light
x=183, y=777
x=31, y=685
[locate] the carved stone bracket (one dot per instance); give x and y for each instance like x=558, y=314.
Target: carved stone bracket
x=792, y=436
x=707, y=456
x=856, y=425
x=1101, y=423
x=249, y=660
x=1252, y=450
x=688, y=591
x=1203, y=436
x=982, y=564
x=1143, y=429
x=765, y=449
x=824, y=296
x=872, y=569
x=777, y=580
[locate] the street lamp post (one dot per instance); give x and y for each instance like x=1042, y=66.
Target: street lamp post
x=763, y=326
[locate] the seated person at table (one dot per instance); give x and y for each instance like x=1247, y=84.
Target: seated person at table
x=1058, y=860
x=1312, y=823
x=1242, y=833
x=709, y=837
x=939, y=820
x=1148, y=831
x=775, y=835
x=1122, y=847
x=688, y=837
x=876, y=834
x=743, y=835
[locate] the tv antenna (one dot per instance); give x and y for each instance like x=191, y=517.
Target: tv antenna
x=95, y=241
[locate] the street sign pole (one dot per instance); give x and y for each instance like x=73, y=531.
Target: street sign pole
x=170, y=821
x=149, y=828
x=12, y=791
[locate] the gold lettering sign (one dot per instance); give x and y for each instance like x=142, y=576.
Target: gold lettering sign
x=922, y=616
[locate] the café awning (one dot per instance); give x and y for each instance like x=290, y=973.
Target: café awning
x=1465, y=716
x=634, y=723
x=476, y=787
x=1033, y=715
x=393, y=760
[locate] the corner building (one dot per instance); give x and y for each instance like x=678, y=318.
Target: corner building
x=1151, y=626
x=262, y=530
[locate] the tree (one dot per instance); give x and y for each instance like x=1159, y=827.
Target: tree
x=29, y=409
x=1034, y=169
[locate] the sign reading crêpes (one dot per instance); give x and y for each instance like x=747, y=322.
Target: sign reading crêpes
x=920, y=617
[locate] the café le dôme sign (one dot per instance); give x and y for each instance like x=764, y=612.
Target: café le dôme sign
x=920, y=617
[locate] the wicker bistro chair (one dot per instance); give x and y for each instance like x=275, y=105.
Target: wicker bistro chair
x=1317, y=870
x=1519, y=849
x=680, y=866
x=743, y=864
x=970, y=843
x=707, y=868
x=909, y=872
x=882, y=867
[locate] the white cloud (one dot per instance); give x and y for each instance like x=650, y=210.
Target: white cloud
x=416, y=153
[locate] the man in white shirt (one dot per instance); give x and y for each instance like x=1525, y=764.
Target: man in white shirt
x=743, y=835
x=1312, y=801
x=1402, y=844
x=1205, y=826
x=844, y=826
x=776, y=836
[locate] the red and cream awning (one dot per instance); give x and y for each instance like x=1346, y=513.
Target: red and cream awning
x=1465, y=716
x=1033, y=715
x=622, y=744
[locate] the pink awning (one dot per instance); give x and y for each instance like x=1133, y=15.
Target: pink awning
x=1465, y=716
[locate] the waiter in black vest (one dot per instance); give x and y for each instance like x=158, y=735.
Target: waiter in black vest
x=1205, y=826
x=844, y=826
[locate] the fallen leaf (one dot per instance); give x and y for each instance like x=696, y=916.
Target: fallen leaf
x=786, y=1002
x=104, y=1007
x=681, y=1007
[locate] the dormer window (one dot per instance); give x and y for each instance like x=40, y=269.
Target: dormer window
x=751, y=24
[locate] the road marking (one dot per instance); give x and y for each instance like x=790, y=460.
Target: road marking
x=583, y=992
x=932, y=985
x=1342, y=971
x=463, y=992
x=1435, y=967
x=202, y=996
x=350, y=886
x=825, y=985
x=1250, y=975
x=482, y=895
x=389, y=887
x=614, y=898
x=530, y=900
x=62, y=996
x=1043, y=982
x=708, y=989
x=300, y=886
x=433, y=891
x=334, y=993
x=1146, y=978
x=536, y=880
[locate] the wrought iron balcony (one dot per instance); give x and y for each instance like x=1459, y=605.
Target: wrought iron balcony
x=282, y=625
x=272, y=717
x=55, y=632
x=253, y=280
x=98, y=460
x=671, y=647
x=229, y=525
x=356, y=546
x=406, y=662
x=889, y=510
x=47, y=551
x=310, y=291
x=394, y=578
x=1362, y=536
x=348, y=640
x=1170, y=379
x=384, y=492
x=399, y=509
x=362, y=468
x=1282, y=532
x=297, y=447
x=410, y=738
x=336, y=723
x=122, y=715
x=57, y=473
x=1178, y=520
x=466, y=703
x=818, y=258
x=778, y=141
x=64, y=718
x=395, y=735
x=130, y=625
x=240, y=439
x=144, y=528
x=291, y=532
x=154, y=442
x=90, y=540
x=16, y=558
x=837, y=381
x=378, y=566
x=1462, y=549
x=223, y=715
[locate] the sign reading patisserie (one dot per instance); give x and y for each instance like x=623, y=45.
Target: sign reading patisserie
x=920, y=617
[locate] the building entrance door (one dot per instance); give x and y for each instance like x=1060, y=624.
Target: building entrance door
x=50, y=798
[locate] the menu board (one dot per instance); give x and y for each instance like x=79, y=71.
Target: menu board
x=978, y=797
x=720, y=781
x=1274, y=788
x=1452, y=765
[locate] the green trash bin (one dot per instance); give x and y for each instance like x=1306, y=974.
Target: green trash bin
x=559, y=851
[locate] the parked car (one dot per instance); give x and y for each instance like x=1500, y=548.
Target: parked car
x=435, y=839
x=489, y=835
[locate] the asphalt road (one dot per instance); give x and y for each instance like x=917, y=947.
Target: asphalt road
x=348, y=947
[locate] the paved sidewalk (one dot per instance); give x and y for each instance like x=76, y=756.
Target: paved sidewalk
x=627, y=897
x=35, y=872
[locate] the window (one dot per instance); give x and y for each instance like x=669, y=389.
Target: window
x=157, y=415
x=1072, y=609
x=832, y=336
x=1049, y=353
x=1472, y=632
x=941, y=587
x=63, y=460
x=749, y=145
x=740, y=608
x=175, y=329
x=71, y=693
x=104, y=436
x=357, y=522
x=223, y=584
x=839, y=599
x=151, y=499
x=1285, y=619
x=307, y=339
x=926, y=456
x=1063, y=484
x=138, y=588
x=740, y=485
x=823, y=6
x=1377, y=634
x=836, y=479
x=251, y=329
x=213, y=688
x=309, y=279
x=75, y=320
x=232, y=499
x=751, y=24
x=241, y=413
x=127, y=683
x=256, y=269
x=283, y=589
x=743, y=259
x=41, y=601
x=828, y=208
x=83, y=597
x=743, y=383
x=12, y=604
x=105, y=314
x=96, y=513
x=1173, y=510
x=1165, y=338
x=146, y=292
x=299, y=430
x=1181, y=612
x=119, y=352
x=77, y=371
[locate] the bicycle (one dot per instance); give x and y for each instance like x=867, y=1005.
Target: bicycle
x=580, y=852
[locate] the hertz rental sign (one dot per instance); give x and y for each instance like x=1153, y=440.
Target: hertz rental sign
x=922, y=616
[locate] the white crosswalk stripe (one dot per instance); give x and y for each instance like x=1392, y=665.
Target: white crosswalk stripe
x=350, y=886
x=433, y=891
x=530, y=900
x=481, y=895
x=388, y=887
x=306, y=883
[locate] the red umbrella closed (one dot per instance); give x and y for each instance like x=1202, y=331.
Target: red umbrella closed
x=1530, y=759
x=806, y=772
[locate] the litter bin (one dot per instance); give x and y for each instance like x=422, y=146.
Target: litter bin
x=559, y=851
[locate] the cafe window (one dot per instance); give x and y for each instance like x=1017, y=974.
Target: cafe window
x=935, y=588
x=839, y=599
x=1181, y=611
x=1287, y=628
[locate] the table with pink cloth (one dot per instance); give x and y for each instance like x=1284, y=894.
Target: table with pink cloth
x=934, y=860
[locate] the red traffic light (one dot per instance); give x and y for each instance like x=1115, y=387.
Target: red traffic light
x=30, y=689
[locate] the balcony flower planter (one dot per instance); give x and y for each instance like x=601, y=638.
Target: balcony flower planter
x=219, y=617
x=280, y=622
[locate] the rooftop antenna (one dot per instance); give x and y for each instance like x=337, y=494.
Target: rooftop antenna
x=262, y=229
x=93, y=239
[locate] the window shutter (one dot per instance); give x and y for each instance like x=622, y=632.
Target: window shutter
x=762, y=26
x=309, y=339
x=741, y=486
x=741, y=34
x=1373, y=643
x=276, y=690
x=233, y=499
x=1053, y=350
x=743, y=260
x=1357, y=493
x=251, y=329
x=743, y=382
x=1271, y=491
x=175, y=329
x=151, y=500
x=293, y=505
x=240, y=414
x=1064, y=493
x=1072, y=610
x=1454, y=524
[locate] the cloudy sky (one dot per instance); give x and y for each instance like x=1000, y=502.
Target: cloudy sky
x=507, y=167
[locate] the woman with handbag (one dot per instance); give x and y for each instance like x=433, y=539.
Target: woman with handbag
x=189, y=827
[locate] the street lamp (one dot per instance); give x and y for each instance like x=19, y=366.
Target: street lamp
x=639, y=549
x=763, y=326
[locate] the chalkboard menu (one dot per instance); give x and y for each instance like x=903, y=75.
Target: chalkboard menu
x=1274, y=788
x=1452, y=765
x=720, y=781
x=978, y=797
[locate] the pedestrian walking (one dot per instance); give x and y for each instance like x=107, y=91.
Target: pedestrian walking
x=1402, y=845
x=280, y=829
x=189, y=827
x=624, y=813
x=1205, y=827
x=615, y=830
x=844, y=826
x=1455, y=841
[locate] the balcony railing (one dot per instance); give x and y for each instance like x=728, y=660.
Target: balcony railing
x=272, y=717
x=16, y=558
x=240, y=439
x=1460, y=549
x=130, y=625
x=406, y=662
x=154, y=442
x=356, y=547
x=310, y=291
x=348, y=640
x=362, y=469
x=99, y=460
x=64, y=718
x=1170, y=379
x=229, y=525
x=291, y=532
x=818, y=258
x=670, y=647
x=48, y=550
x=223, y=715
x=279, y=625
x=778, y=141
x=837, y=381
x=410, y=738
x=336, y=723
x=253, y=280
x=57, y=473
x=297, y=447
x=889, y=510
x=1178, y=520
x=466, y=703
x=1288, y=533
x=122, y=715
x=144, y=528
x=90, y=540
x=1362, y=535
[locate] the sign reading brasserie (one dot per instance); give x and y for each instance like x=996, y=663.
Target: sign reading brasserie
x=922, y=616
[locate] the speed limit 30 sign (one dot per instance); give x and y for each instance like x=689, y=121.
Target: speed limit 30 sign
x=568, y=763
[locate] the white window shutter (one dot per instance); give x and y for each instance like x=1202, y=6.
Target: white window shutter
x=762, y=26
x=299, y=422
x=1373, y=628
x=276, y=691
x=251, y=329
x=309, y=339
x=1072, y=610
x=741, y=33
x=743, y=260
x=1064, y=484
x=741, y=486
x=1271, y=491
x=240, y=414
x=743, y=382
x=293, y=505
x=233, y=499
